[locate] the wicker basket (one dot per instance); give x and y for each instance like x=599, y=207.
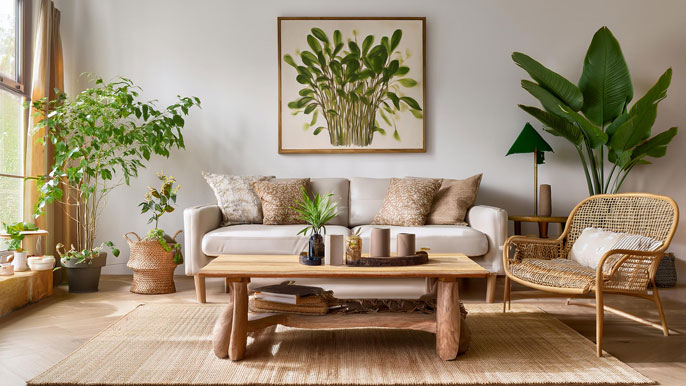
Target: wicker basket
x=152, y=266
x=666, y=272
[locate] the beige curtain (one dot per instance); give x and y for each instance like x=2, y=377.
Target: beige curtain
x=48, y=75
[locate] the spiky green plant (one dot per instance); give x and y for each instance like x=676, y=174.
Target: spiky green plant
x=316, y=212
x=349, y=85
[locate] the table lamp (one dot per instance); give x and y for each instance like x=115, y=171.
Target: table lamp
x=529, y=141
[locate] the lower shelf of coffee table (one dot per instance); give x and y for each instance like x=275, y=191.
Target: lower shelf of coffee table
x=400, y=320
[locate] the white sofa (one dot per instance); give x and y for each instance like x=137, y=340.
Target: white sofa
x=358, y=201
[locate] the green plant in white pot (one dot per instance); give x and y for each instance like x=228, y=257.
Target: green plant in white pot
x=101, y=138
x=16, y=234
x=596, y=117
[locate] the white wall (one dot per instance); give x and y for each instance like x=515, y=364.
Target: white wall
x=224, y=52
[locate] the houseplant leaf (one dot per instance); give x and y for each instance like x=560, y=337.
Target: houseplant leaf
x=605, y=81
x=556, y=125
x=565, y=90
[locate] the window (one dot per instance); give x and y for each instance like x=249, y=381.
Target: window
x=13, y=93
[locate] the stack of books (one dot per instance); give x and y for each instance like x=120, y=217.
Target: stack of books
x=291, y=298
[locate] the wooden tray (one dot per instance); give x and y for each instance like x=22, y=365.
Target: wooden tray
x=398, y=261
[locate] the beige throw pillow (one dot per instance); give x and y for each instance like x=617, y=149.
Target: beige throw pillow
x=278, y=198
x=453, y=200
x=236, y=198
x=407, y=201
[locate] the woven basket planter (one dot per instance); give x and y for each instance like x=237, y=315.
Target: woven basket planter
x=152, y=266
x=666, y=272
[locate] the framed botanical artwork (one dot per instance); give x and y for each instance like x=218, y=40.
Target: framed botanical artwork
x=351, y=85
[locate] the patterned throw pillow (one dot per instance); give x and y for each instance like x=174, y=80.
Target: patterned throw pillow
x=278, y=197
x=407, y=201
x=236, y=198
x=453, y=200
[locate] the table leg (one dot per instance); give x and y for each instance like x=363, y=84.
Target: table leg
x=221, y=334
x=200, y=288
x=518, y=227
x=543, y=230
x=239, y=327
x=448, y=320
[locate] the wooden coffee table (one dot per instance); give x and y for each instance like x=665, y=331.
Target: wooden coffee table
x=234, y=323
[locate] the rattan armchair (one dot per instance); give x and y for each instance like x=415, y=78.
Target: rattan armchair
x=542, y=264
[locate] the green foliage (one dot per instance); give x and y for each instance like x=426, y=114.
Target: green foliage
x=85, y=255
x=595, y=116
x=160, y=201
x=158, y=234
x=348, y=84
x=15, y=232
x=101, y=138
x=315, y=212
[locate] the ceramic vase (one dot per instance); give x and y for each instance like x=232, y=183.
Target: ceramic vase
x=20, y=261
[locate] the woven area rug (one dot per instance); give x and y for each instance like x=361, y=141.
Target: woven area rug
x=168, y=344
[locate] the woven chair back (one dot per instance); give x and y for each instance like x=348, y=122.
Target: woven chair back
x=635, y=213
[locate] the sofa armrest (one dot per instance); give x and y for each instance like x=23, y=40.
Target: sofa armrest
x=492, y=222
x=197, y=221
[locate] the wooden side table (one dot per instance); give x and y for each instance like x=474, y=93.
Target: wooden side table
x=542, y=223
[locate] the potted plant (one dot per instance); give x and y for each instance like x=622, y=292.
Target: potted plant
x=595, y=116
x=154, y=258
x=16, y=234
x=100, y=138
x=316, y=213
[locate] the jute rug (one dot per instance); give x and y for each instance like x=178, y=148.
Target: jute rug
x=164, y=344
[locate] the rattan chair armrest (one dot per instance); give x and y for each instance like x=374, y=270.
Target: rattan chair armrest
x=603, y=273
x=515, y=241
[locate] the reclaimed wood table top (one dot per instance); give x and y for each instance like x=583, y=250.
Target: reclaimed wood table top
x=440, y=265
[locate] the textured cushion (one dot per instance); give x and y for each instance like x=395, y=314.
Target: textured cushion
x=407, y=201
x=278, y=198
x=366, y=198
x=339, y=187
x=260, y=239
x=593, y=243
x=561, y=273
x=452, y=201
x=236, y=198
x=439, y=238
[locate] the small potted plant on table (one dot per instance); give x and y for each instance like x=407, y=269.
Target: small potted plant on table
x=154, y=258
x=316, y=213
x=16, y=234
x=100, y=139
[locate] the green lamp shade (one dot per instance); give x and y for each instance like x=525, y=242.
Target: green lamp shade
x=529, y=141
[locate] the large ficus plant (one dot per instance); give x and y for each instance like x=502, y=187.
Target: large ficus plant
x=347, y=84
x=596, y=116
x=101, y=138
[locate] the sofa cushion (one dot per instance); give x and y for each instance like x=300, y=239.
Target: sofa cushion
x=440, y=238
x=236, y=197
x=278, y=199
x=260, y=239
x=407, y=201
x=366, y=197
x=339, y=187
x=453, y=200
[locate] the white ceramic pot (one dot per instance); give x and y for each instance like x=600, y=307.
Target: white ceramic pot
x=19, y=262
x=41, y=263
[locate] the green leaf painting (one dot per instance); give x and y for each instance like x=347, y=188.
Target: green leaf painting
x=353, y=86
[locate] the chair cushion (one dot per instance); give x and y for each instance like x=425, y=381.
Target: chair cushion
x=366, y=198
x=260, y=239
x=561, y=273
x=440, y=238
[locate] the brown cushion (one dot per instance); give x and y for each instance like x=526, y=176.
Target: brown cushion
x=278, y=197
x=407, y=201
x=453, y=200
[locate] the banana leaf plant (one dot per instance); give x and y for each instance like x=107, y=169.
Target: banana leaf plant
x=347, y=84
x=595, y=115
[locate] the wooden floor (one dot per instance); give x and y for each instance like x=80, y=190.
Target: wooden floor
x=37, y=336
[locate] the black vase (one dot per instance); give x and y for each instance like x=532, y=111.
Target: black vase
x=316, y=247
